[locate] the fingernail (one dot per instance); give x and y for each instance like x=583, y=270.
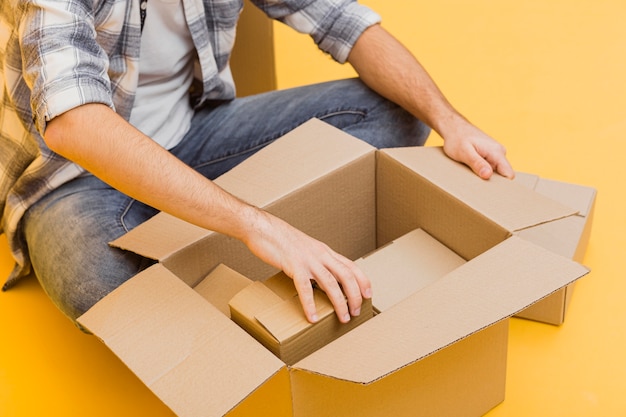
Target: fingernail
x=368, y=293
x=346, y=318
x=357, y=312
x=484, y=173
x=314, y=318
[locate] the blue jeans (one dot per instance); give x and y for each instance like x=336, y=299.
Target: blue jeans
x=68, y=231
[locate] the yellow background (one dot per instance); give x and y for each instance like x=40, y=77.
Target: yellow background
x=544, y=77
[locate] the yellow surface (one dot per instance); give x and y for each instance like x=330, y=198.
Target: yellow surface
x=544, y=77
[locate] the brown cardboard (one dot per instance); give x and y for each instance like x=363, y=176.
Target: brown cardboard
x=172, y=339
x=220, y=286
x=429, y=261
x=442, y=384
x=272, y=314
x=444, y=344
x=568, y=236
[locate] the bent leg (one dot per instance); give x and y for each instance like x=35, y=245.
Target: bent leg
x=67, y=233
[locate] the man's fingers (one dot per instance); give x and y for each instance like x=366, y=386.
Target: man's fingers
x=330, y=285
x=477, y=162
x=305, y=293
x=355, y=284
x=504, y=168
x=482, y=168
x=349, y=288
x=345, y=286
x=484, y=162
x=498, y=162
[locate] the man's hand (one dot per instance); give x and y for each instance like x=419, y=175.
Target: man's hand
x=466, y=143
x=307, y=260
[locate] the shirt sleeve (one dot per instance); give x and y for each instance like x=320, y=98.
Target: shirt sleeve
x=334, y=25
x=63, y=65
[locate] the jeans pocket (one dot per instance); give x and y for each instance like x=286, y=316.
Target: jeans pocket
x=134, y=213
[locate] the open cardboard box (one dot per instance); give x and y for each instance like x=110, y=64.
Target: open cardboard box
x=439, y=350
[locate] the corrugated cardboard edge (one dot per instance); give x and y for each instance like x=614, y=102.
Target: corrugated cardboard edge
x=493, y=286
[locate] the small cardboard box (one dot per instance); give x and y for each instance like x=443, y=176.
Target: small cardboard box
x=440, y=350
x=270, y=311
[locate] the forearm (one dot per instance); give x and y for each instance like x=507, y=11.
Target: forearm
x=129, y=161
x=387, y=67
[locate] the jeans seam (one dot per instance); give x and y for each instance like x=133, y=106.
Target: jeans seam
x=362, y=113
x=123, y=214
x=234, y=155
x=142, y=261
x=264, y=142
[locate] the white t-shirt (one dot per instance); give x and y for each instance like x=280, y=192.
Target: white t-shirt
x=162, y=110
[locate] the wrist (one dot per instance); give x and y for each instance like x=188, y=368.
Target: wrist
x=450, y=125
x=255, y=223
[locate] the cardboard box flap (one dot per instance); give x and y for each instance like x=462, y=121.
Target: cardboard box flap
x=176, y=343
x=509, y=204
x=567, y=236
x=220, y=286
x=286, y=320
x=526, y=179
x=416, y=261
x=254, y=299
x=308, y=152
x=493, y=286
x=160, y=236
x=578, y=197
x=281, y=285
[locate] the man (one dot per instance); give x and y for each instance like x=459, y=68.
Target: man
x=114, y=109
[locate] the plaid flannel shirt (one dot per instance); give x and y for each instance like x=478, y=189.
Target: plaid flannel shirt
x=56, y=55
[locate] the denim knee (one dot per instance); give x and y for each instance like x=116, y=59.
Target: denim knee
x=68, y=234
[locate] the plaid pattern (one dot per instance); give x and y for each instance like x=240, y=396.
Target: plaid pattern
x=56, y=55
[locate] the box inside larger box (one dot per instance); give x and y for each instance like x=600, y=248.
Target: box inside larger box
x=355, y=198
x=271, y=312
